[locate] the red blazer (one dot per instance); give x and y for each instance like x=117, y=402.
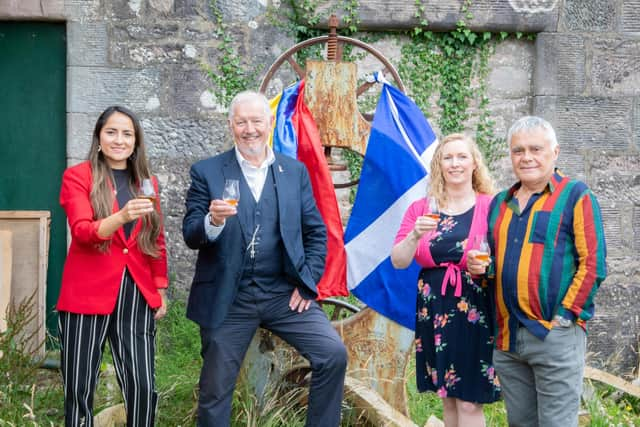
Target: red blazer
x=91, y=278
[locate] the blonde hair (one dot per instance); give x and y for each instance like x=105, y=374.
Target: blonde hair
x=481, y=181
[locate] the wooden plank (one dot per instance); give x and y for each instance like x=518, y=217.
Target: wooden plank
x=30, y=254
x=612, y=380
x=375, y=409
x=5, y=276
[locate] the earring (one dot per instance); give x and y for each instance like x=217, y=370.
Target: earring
x=99, y=148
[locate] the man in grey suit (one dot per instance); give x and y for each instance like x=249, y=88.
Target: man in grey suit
x=258, y=265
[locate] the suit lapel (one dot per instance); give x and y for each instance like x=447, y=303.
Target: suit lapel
x=280, y=176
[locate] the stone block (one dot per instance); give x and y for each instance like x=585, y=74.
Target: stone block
x=636, y=123
x=612, y=227
x=186, y=87
x=149, y=54
x=82, y=10
x=92, y=89
x=588, y=123
x=635, y=221
x=588, y=16
x=615, y=67
x=87, y=43
x=186, y=8
x=123, y=9
x=79, y=134
x=186, y=138
x=234, y=11
x=615, y=176
x=559, y=65
x=198, y=30
x=32, y=9
x=264, y=44
x=612, y=340
x=443, y=15
x=505, y=111
x=510, y=81
x=631, y=16
x=145, y=32
x=571, y=163
x=163, y=7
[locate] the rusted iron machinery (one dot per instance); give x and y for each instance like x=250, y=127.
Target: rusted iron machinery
x=379, y=349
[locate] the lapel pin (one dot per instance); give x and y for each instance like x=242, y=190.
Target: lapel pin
x=280, y=169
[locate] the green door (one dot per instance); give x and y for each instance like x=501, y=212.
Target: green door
x=33, y=131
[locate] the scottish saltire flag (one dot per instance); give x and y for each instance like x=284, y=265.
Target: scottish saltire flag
x=295, y=134
x=394, y=174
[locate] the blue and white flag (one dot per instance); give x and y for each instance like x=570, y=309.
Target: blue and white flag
x=394, y=174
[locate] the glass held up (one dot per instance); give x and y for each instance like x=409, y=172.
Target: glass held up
x=481, y=245
x=231, y=192
x=146, y=190
x=434, y=209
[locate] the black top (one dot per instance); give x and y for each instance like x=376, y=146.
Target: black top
x=122, y=178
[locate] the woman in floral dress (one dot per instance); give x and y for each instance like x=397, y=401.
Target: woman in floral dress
x=454, y=321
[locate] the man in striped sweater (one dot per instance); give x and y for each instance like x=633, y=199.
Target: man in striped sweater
x=549, y=253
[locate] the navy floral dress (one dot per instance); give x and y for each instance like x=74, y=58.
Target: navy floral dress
x=454, y=335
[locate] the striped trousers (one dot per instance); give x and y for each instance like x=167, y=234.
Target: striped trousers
x=130, y=330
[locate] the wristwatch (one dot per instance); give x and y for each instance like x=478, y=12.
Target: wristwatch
x=562, y=321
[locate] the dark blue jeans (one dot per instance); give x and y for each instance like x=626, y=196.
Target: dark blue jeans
x=309, y=332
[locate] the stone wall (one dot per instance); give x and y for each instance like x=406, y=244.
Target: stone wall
x=582, y=73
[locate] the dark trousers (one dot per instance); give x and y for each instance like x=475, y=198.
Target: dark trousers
x=130, y=330
x=309, y=332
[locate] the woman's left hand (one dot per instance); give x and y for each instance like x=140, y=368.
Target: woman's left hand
x=162, y=310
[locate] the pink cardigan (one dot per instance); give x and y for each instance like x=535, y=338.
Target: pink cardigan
x=423, y=252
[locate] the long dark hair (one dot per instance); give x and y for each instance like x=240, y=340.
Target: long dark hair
x=102, y=196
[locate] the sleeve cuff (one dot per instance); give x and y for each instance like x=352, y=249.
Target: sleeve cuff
x=96, y=226
x=211, y=230
x=567, y=314
x=491, y=270
x=161, y=282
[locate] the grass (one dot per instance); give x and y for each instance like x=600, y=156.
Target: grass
x=423, y=405
x=30, y=396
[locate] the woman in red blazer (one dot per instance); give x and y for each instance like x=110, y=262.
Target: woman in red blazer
x=115, y=275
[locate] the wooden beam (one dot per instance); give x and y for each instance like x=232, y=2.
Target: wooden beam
x=5, y=275
x=612, y=380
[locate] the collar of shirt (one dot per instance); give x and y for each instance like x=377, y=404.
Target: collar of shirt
x=551, y=185
x=255, y=176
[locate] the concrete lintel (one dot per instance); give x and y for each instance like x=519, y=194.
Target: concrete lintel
x=30, y=9
x=443, y=15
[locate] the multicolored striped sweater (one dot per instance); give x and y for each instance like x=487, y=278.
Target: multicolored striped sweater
x=549, y=259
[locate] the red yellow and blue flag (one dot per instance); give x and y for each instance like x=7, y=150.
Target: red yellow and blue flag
x=296, y=135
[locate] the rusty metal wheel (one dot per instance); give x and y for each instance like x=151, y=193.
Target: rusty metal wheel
x=334, y=51
x=338, y=309
x=335, y=47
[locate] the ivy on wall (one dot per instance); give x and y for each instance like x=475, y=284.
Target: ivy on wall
x=445, y=69
x=229, y=76
x=450, y=69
